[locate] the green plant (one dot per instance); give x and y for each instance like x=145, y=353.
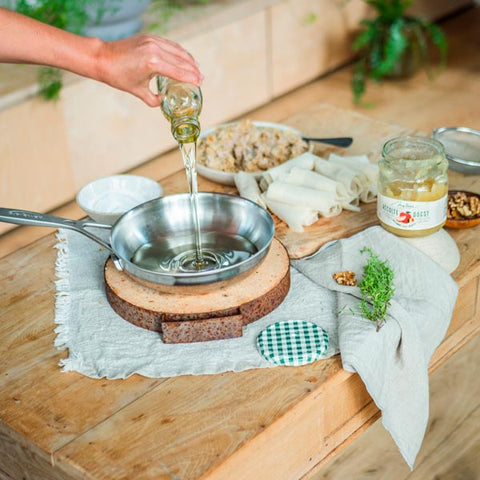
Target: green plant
x=386, y=40
x=376, y=288
x=164, y=9
x=65, y=14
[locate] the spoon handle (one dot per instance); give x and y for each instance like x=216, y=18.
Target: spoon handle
x=338, y=141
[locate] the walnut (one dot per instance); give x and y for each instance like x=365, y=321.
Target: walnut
x=474, y=205
x=345, y=278
x=460, y=205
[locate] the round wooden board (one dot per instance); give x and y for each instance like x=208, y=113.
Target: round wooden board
x=201, y=313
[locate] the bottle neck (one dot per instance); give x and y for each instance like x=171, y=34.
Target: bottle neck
x=185, y=129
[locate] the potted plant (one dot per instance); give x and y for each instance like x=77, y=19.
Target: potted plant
x=394, y=45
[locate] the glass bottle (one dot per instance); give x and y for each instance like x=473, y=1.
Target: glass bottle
x=181, y=105
x=412, y=186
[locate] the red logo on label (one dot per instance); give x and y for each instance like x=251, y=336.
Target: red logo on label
x=405, y=217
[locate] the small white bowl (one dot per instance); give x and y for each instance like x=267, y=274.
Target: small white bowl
x=106, y=199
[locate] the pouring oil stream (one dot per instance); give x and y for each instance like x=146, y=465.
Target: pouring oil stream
x=181, y=105
x=188, y=151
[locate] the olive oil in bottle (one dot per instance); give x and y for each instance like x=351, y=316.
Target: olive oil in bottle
x=181, y=104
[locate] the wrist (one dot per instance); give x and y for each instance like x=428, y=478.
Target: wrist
x=95, y=58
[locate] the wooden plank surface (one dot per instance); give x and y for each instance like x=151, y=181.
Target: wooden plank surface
x=232, y=425
x=450, y=448
x=45, y=415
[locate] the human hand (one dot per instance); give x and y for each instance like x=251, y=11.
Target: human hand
x=130, y=64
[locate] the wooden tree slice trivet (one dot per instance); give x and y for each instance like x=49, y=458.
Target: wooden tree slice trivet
x=198, y=314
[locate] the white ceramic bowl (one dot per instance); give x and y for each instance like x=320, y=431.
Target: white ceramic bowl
x=227, y=178
x=106, y=199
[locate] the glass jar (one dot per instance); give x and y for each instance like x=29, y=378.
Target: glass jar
x=181, y=103
x=412, y=186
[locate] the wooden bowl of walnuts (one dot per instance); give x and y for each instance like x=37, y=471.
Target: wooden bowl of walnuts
x=463, y=209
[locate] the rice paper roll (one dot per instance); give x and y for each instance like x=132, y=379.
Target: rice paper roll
x=311, y=179
x=358, y=162
x=369, y=194
x=306, y=160
x=320, y=200
x=362, y=165
x=352, y=205
x=295, y=216
x=248, y=188
x=352, y=181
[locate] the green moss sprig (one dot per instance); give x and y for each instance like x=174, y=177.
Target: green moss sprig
x=376, y=288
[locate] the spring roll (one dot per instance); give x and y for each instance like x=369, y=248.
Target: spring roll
x=311, y=179
x=323, y=202
x=369, y=172
x=247, y=187
x=369, y=194
x=358, y=162
x=350, y=179
x=306, y=160
x=295, y=216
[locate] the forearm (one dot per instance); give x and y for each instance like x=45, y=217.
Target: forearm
x=127, y=64
x=24, y=40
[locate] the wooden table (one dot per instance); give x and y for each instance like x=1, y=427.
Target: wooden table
x=279, y=423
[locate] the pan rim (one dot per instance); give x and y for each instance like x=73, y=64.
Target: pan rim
x=200, y=277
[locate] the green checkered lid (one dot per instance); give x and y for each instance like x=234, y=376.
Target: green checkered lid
x=292, y=342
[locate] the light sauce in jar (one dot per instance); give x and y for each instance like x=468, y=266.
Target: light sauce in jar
x=412, y=187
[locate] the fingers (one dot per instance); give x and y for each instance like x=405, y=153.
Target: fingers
x=176, y=49
x=129, y=64
x=149, y=98
x=175, y=62
x=179, y=72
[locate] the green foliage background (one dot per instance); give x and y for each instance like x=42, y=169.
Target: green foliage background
x=384, y=40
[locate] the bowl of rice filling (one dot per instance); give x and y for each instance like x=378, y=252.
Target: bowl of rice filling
x=247, y=146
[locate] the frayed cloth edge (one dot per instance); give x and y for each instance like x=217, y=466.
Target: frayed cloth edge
x=62, y=297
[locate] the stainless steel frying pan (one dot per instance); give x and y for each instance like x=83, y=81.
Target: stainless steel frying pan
x=166, y=222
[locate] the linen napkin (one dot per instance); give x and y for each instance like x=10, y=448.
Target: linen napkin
x=102, y=344
x=392, y=362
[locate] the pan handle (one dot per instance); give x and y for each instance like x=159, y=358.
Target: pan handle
x=25, y=217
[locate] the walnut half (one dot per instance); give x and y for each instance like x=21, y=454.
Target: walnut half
x=461, y=206
x=345, y=278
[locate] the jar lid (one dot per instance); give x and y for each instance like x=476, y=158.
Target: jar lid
x=292, y=342
x=462, y=147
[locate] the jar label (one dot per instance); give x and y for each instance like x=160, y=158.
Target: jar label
x=411, y=215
